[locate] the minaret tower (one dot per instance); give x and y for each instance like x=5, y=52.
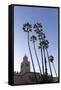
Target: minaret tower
x=25, y=65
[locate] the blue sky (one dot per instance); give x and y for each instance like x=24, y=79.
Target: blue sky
x=48, y=17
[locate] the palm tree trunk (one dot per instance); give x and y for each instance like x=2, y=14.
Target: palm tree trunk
x=42, y=61
x=36, y=56
x=45, y=61
x=54, y=69
x=49, y=62
x=31, y=57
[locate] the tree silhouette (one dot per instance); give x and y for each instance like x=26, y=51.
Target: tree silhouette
x=38, y=29
x=51, y=58
x=33, y=39
x=28, y=28
x=42, y=45
x=46, y=47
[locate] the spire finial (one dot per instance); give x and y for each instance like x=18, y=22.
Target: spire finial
x=25, y=54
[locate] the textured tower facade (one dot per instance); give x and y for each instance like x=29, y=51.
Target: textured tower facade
x=25, y=65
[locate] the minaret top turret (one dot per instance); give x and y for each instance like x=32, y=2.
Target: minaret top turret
x=25, y=58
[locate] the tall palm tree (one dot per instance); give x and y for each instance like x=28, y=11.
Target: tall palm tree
x=46, y=47
x=28, y=28
x=51, y=58
x=38, y=29
x=33, y=39
x=42, y=45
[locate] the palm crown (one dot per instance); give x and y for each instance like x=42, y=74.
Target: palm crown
x=51, y=58
x=44, y=44
x=37, y=27
x=41, y=35
x=33, y=38
x=27, y=27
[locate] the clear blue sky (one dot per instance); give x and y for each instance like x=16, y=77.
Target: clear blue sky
x=49, y=19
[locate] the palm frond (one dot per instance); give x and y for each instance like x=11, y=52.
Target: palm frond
x=37, y=27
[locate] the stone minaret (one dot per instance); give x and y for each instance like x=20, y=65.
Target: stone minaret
x=25, y=65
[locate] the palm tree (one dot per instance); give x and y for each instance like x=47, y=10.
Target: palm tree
x=33, y=39
x=46, y=47
x=38, y=29
x=51, y=58
x=42, y=45
x=28, y=28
